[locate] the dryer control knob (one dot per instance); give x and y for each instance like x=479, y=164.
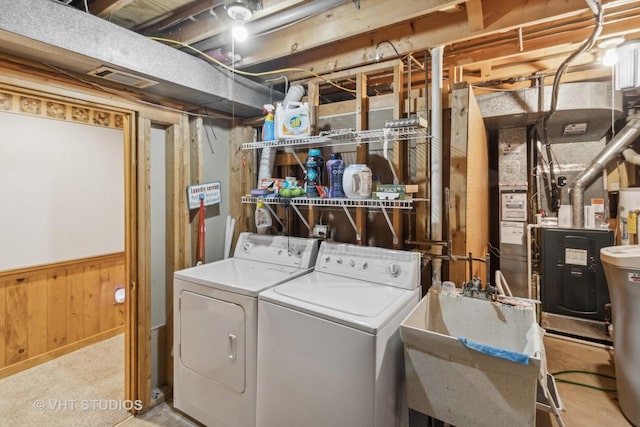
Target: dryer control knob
x=352, y=263
x=339, y=260
x=247, y=247
x=365, y=265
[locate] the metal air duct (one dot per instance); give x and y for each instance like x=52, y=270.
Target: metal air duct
x=617, y=145
x=77, y=42
x=272, y=22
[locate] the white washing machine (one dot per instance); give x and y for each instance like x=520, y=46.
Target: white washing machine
x=329, y=349
x=215, y=326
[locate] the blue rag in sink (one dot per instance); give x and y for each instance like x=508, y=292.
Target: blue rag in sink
x=514, y=356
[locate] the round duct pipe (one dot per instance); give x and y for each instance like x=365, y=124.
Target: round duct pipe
x=272, y=22
x=622, y=140
x=268, y=156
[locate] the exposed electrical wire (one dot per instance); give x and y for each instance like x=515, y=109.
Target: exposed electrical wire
x=494, y=251
x=247, y=73
x=599, y=18
x=390, y=44
x=609, y=390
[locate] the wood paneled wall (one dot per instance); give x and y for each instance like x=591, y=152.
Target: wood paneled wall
x=52, y=310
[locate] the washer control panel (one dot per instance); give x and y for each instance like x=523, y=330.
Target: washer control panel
x=377, y=265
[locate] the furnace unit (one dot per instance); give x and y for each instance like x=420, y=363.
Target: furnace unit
x=573, y=282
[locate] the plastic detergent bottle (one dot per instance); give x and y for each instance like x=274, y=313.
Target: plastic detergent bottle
x=263, y=219
x=335, y=172
x=356, y=181
x=314, y=165
x=292, y=120
x=268, y=130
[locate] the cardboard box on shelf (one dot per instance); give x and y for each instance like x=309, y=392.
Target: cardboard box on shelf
x=395, y=191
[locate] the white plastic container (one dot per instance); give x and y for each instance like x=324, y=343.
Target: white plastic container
x=628, y=200
x=356, y=181
x=461, y=386
x=622, y=269
x=263, y=219
x=292, y=120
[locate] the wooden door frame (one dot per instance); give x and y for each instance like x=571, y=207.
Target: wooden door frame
x=33, y=78
x=138, y=366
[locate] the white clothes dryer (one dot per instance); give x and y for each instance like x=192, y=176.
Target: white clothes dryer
x=216, y=321
x=329, y=349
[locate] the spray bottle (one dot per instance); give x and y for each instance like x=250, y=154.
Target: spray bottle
x=268, y=130
x=263, y=218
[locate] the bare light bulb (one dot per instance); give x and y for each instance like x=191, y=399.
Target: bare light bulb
x=610, y=57
x=239, y=33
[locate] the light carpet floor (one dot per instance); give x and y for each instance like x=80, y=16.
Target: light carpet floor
x=82, y=388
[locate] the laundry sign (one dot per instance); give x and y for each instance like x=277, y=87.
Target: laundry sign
x=210, y=191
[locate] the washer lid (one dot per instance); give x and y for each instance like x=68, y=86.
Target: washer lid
x=239, y=275
x=624, y=256
x=351, y=302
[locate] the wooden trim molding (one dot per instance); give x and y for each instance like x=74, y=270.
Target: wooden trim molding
x=48, y=268
x=12, y=101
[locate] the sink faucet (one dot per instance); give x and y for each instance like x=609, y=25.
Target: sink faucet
x=473, y=288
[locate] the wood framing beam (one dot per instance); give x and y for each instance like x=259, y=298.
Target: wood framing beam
x=339, y=24
x=177, y=221
x=418, y=34
x=474, y=15
x=185, y=12
x=142, y=330
x=131, y=260
x=400, y=148
x=104, y=8
x=243, y=172
x=196, y=134
x=362, y=150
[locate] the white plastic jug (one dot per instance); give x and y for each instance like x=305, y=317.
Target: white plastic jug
x=356, y=181
x=292, y=120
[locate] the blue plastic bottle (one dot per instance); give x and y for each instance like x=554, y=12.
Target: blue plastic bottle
x=335, y=172
x=268, y=130
x=314, y=166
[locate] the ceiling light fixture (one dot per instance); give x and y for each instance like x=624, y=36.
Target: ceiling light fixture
x=239, y=32
x=239, y=10
x=610, y=57
x=609, y=46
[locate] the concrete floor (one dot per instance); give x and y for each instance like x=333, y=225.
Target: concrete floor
x=583, y=406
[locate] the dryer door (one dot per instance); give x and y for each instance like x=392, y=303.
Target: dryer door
x=212, y=339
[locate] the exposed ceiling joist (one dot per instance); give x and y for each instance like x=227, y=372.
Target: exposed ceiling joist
x=475, y=16
x=104, y=8
x=177, y=16
x=571, y=24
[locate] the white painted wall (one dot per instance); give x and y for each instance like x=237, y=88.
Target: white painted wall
x=61, y=191
x=215, y=155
